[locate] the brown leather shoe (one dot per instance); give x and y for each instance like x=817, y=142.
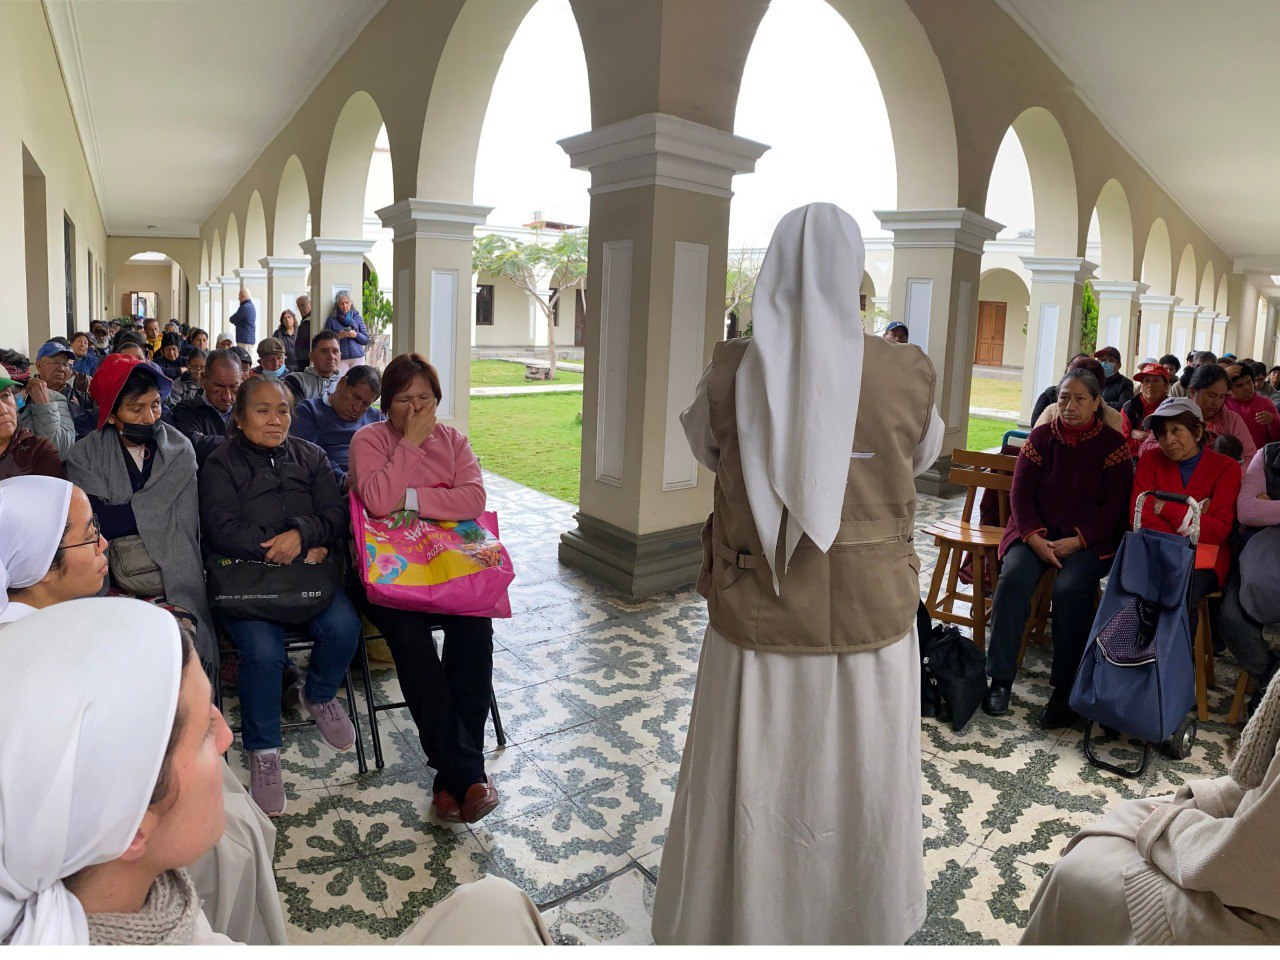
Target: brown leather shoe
x=480, y=801
x=447, y=809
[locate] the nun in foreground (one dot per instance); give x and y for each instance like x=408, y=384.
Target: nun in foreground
x=797, y=816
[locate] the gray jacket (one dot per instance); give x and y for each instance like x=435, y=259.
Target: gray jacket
x=308, y=384
x=52, y=420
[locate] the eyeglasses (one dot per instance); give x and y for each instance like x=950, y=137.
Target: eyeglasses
x=97, y=536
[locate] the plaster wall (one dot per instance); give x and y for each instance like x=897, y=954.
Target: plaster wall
x=154, y=277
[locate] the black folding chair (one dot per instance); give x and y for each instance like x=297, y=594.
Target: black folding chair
x=376, y=708
x=296, y=641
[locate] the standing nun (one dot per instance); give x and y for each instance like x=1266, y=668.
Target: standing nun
x=797, y=817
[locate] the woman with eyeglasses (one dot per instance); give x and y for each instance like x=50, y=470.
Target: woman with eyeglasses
x=51, y=552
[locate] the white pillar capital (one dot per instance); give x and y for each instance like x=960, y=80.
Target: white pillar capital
x=657, y=149
x=415, y=219
x=279, y=265
x=336, y=250
x=1158, y=301
x=1209, y=315
x=1132, y=290
x=249, y=274
x=230, y=280
x=1221, y=319
x=939, y=229
x=202, y=288
x=880, y=303
x=1186, y=311
x=1059, y=269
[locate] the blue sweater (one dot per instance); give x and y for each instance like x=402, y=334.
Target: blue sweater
x=316, y=421
x=351, y=348
x=245, y=320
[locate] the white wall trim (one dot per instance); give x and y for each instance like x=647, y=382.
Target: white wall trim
x=684, y=359
x=615, y=336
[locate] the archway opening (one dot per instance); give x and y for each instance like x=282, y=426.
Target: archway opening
x=150, y=285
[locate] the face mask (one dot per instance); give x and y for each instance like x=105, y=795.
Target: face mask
x=1109, y=368
x=273, y=373
x=22, y=400
x=137, y=432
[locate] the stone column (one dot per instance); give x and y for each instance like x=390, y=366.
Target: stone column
x=254, y=279
x=655, y=309
x=1182, y=338
x=1157, y=324
x=1118, y=308
x=214, y=318
x=203, y=290
x=1203, y=337
x=286, y=282
x=230, y=299
x=1218, y=343
x=336, y=265
x=937, y=258
x=1053, y=330
x=433, y=298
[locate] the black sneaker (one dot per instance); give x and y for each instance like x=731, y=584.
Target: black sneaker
x=996, y=702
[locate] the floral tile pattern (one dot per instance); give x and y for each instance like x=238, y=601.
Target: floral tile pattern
x=594, y=691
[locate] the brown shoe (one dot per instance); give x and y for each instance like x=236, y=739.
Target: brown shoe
x=447, y=809
x=480, y=801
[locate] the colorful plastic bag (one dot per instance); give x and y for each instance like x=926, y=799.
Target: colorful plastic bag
x=450, y=567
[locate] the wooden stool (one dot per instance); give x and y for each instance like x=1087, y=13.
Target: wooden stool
x=1202, y=652
x=1038, y=620
x=1237, y=702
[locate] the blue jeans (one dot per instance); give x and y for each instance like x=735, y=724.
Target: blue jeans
x=260, y=644
x=1074, y=592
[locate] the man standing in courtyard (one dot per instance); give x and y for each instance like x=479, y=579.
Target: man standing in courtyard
x=245, y=321
x=797, y=816
x=303, y=339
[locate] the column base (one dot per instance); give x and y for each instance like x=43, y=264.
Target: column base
x=638, y=565
x=934, y=480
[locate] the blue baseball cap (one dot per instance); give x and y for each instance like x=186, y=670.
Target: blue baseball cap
x=896, y=325
x=52, y=349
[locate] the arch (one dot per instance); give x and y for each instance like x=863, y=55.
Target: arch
x=255, y=232
x=1115, y=226
x=1220, y=303
x=293, y=205
x=1053, y=183
x=187, y=253
x=1157, y=259
x=1207, y=288
x=204, y=260
x=1185, y=285
x=231, y=246
x=1002, y=285
x=868, y=286
x=215, y=257
x=346, y=171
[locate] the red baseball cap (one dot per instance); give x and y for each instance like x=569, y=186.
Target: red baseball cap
x=110, y=377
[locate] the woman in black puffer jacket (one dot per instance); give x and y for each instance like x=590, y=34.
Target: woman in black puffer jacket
x=269, y=497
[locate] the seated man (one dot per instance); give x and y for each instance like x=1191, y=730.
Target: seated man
x=53, y=409
x=202, y=419
x=319, y=379
x=271, y=358
x=330, y=422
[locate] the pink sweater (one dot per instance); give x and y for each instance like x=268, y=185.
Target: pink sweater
x=443, y=472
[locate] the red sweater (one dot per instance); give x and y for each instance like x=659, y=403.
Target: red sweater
x=1215, y=477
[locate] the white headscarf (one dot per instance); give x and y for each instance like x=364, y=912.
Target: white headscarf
x=33, y=518
x=84, y=723
x=800, y=381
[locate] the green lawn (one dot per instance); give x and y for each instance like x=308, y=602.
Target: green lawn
x=996, y=394
x=531, y=439
x=537, y=440
x=500, y=373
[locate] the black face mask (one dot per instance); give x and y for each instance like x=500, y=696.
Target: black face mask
x=137, y=432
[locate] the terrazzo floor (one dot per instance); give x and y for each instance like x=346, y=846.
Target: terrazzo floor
x=594, y=691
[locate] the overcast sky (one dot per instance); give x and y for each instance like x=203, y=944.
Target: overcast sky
x=808, y=91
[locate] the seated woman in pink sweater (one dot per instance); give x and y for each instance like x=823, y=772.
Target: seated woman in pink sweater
x=411, y=462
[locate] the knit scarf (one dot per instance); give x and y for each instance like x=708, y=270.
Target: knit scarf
x=167, y=917
x=1070, y=436
x=1258, y=742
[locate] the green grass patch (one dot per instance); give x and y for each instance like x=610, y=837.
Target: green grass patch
x=500, y=373
x=531, y=439
x=996, y=394
x=984, y=433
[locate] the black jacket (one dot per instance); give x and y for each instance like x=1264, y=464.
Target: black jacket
x=290, y=348
x=201, y=424
x=1117, y=391
x=1047, y=396
x=249, y=494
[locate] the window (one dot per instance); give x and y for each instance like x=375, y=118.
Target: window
x=92, y=278
x=69, y=255
x=484, y=305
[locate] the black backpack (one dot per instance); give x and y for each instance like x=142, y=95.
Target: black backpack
x=953, y=674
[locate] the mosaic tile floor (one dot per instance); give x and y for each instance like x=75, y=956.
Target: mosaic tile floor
x=594, y=691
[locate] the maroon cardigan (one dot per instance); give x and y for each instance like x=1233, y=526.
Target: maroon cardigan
x=29, y=454
x=1061, y=491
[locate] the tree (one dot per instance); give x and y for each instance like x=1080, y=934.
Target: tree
x=532, y=266
x=1088, y=321
x=377, y=308
x=740, y=280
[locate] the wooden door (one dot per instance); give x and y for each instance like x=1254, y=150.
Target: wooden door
x=990, y=347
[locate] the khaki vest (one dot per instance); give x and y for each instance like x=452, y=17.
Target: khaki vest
x=861, y=594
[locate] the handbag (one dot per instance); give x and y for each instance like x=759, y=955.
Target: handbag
x=280, y=593
x=132, y=569
x=457, y=568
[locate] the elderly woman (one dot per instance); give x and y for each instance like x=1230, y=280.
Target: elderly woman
x=235, y=879
x=287, y=333
x=1152, y=380
x=412, y=462
x=140, y=475
x=268, y=497
x=1197, y=867
x=169, y=358
x=1181, y=462
x=21, y=451
x=1069, y=496
x=353, y=335
x=1209, y=387
x=1258, y=413
x=1110, y=415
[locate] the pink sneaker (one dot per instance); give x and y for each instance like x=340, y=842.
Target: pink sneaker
x=265, y=783
x=332, y=721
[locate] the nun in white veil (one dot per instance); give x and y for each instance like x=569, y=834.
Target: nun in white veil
x=797, y=816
